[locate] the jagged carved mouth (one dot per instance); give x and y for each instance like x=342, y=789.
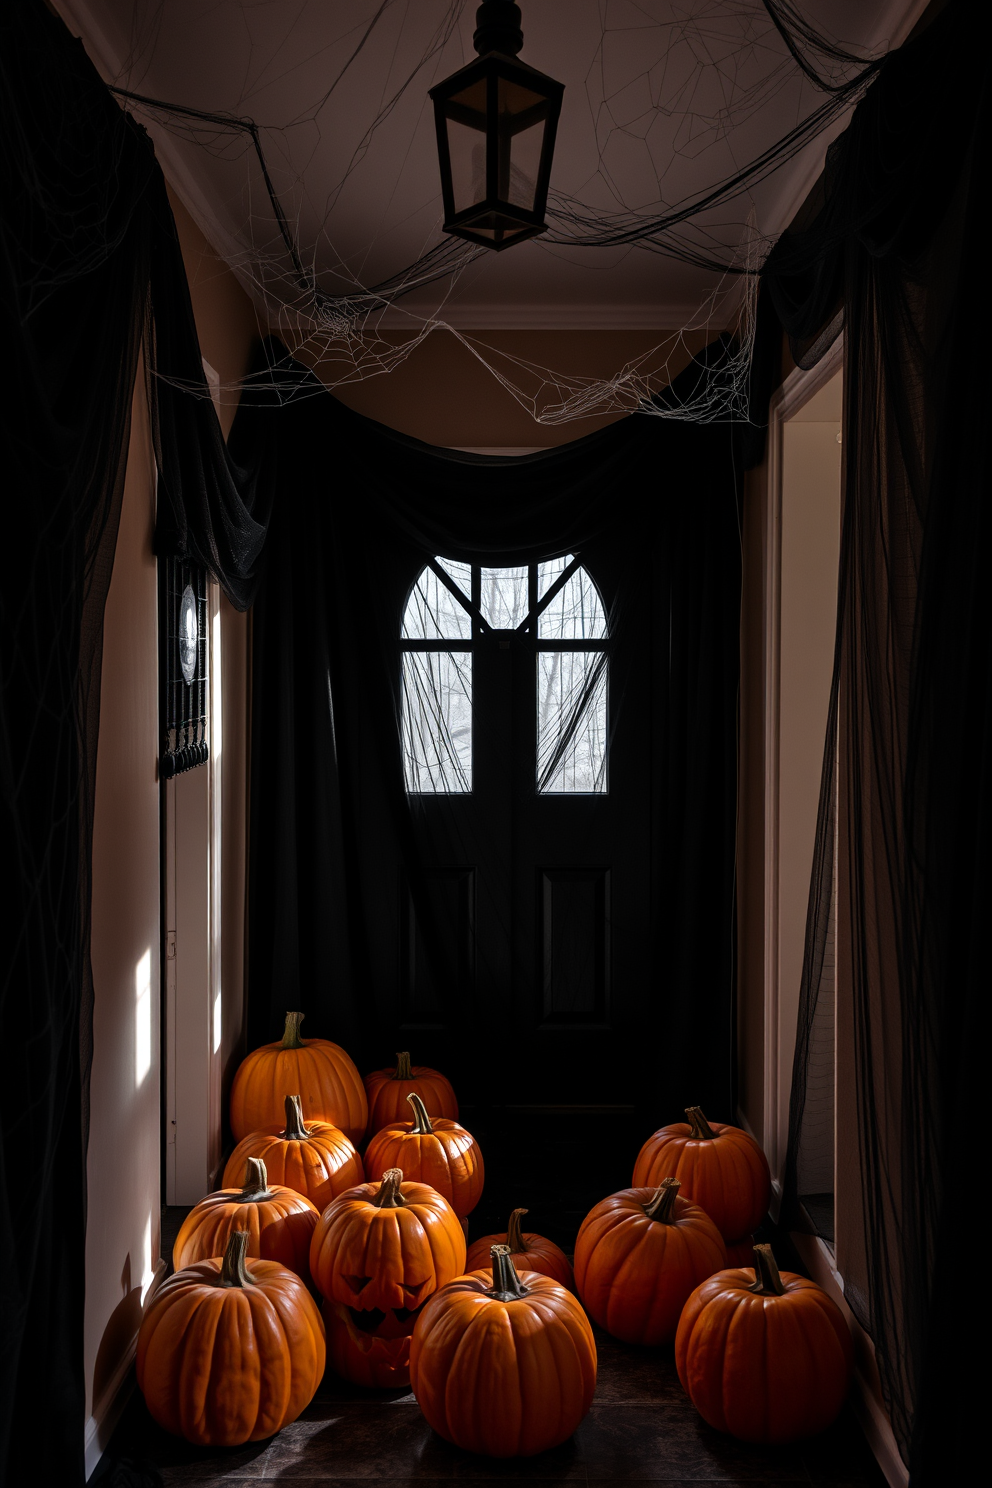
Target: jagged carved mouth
x=397, y=1322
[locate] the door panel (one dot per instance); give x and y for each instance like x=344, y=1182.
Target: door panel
x=575, y=925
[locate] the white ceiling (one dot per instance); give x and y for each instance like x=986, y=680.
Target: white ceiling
x=663, y=99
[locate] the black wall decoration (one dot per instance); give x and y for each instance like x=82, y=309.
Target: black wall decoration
x=184, y=667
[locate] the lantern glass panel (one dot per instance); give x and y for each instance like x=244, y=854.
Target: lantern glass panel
x=522, y=121
x=465, y=117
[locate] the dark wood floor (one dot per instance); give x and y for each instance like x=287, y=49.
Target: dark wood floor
x=641, y=1429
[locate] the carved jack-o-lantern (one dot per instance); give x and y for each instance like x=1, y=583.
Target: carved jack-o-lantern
x=369, y=1348
x=379, y=1251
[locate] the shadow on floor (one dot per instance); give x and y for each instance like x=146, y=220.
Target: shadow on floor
x=641, y=1429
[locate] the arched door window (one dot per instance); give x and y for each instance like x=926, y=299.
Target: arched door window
x=555, y=609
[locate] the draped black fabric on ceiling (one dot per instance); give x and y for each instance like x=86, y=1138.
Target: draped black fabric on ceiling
x=90, y=269
x=899, y=240
x=357, y=510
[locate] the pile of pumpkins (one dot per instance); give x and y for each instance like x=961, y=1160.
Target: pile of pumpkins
x=494, y=1340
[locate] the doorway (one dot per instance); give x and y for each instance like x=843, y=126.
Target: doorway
x=527, y=781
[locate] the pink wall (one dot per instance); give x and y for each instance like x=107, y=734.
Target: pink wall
x=123, y=1168
x=122, y=1241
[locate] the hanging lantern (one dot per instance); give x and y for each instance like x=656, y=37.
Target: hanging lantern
x=496, y=121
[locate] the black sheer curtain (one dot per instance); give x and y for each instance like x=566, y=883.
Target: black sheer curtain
x=357, y=511
x=899, y=240
x=74, y=275
x=90, y=273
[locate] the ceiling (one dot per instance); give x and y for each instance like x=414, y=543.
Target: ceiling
x=663, y=99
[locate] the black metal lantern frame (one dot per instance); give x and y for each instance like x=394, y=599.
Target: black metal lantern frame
x=496, y=123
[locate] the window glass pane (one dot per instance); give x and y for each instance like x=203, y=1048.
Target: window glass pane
x=437, y=721
x=548, y=572
x=432, y=613
x=504, y=597
x=571, y=721
x=576, y=613
x=460, y=572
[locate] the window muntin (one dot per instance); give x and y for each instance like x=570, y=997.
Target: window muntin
x=455, y=602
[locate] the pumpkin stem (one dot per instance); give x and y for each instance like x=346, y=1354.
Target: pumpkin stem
x=389, y=1196
x=701, y=1129
x=661, y=1205
x=507, y=1286
x=234, y=1272
x=291, y=1033
x=514, y=1238
x=295, y=1130
x=422, y=1124
x=767, y=1281
x=403, y=1069
x=256, y=1184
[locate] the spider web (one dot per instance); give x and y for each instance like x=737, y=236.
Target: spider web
x=670, y=85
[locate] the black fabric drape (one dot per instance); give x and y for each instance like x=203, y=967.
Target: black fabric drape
x=90, y=270
x=75, y=242
x=209, y=509
x=899, y=238
x=357, y=510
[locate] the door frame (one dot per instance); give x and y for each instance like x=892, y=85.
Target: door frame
x=795, y=392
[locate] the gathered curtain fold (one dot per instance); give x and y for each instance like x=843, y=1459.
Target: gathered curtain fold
x=900, y=889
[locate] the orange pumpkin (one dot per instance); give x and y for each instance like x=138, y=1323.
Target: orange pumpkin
x=230, y=1350
x=763, y=1356
x=279, y=1223
x=438, y=1152
x=372, y=1350
x=530, y=1252
x=329, y=1085
x=386, y=1246
x=317, y=1160
x=503, y=1365
x=638, y=1256
x=387, y=1090
x=720, y=1167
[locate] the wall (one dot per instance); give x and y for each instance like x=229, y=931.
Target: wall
x=809, y=548
x=751, y=807
x=226, y=322
x=791, y=534
x=228, y=328
x=124, y=1159
x=444, y=395
x=122, y=1238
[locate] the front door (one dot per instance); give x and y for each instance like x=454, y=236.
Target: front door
x=523, y=946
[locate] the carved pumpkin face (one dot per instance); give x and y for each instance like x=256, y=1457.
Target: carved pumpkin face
x=370, y=1348
x=386, y=1248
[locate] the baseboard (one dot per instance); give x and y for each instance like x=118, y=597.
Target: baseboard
x=100, y=1428
x=866, y=1398
x=120, y=1387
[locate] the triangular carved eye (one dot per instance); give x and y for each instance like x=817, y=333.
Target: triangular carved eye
x=414, y=1291
x=357, y=1283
